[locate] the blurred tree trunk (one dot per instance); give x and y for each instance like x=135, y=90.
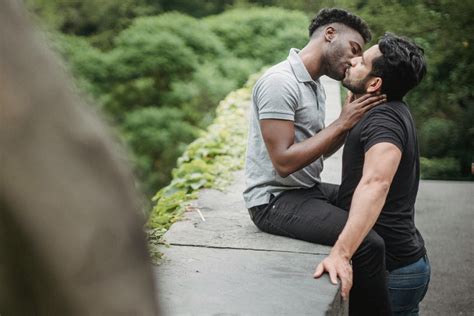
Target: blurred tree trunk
x=71, y=238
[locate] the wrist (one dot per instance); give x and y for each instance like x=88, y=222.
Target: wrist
x=341, y=125
x=340, y=250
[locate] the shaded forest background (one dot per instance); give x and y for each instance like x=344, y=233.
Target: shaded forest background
x=158, y=68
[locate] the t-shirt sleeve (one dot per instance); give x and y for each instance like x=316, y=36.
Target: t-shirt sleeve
x=382, y=125
x=276, y=97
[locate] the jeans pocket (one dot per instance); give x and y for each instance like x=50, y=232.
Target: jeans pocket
x=406, y=292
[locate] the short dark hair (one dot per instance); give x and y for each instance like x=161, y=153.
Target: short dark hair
x=402, y=65
x=333, y=15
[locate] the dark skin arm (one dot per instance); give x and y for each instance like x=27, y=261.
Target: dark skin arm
x=336, y=145
x=288, y=156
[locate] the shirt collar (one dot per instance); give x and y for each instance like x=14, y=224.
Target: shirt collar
x=299, y=69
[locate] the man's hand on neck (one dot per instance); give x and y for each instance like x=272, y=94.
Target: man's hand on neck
x=354, y=108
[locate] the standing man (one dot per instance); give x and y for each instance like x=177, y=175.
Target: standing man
x=381, y=173
x=287, y=142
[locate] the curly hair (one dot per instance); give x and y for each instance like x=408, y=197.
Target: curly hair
x=402, y=65
x=327, y=16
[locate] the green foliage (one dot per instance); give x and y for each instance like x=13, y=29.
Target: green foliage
x=439, y=168
x=199, y=96
x=158, y=61
x=208, y=161
x=195, y=34
x=261, y=34
x=144, y=66
x=99, y=20
x=438, y=137
x=87, y=64
x=196, y=8
x=157, y=137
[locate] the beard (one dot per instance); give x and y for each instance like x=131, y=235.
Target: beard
x=356, y=86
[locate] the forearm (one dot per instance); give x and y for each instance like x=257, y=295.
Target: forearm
x=288, y=156
x=380, y=165
x=336, y=145
x=299, y=155
x=367, y=203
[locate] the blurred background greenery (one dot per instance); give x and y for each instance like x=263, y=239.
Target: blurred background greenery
x=158, y=68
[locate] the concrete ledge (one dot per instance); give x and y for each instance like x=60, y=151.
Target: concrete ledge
x=209, y=281
x=227, y=224
x=225, y=265
x=219, y=263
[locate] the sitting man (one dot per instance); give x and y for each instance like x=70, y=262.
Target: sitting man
x=287, y=142
x=380, y=174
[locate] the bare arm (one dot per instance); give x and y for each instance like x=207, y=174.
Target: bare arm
x=336, y=145
x=380, y=166
x=288, y=156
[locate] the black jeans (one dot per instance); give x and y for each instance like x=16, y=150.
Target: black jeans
x=311, y=215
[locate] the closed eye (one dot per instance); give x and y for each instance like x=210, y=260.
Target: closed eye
x=356, y=49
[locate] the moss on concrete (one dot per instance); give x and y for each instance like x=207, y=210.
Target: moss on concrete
x=208, y=162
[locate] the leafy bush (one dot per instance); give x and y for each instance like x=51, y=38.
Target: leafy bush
x=99, y=20
x=262, y=34
x=439, y=168
x=196, y=35
x=160, y=59
x=87, y=64
x=157, y=136
x=437, y=137
x=207, y=162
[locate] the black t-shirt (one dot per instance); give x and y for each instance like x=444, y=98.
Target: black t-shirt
x=389, y=122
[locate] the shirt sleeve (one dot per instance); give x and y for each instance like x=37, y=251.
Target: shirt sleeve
x=276, y=97
x=382, y=125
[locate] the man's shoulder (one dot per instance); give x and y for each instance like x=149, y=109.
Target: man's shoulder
x=277, y=79
x=279, y=72
x=387, y=110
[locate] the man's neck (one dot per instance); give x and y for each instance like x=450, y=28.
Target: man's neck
x=311, y=56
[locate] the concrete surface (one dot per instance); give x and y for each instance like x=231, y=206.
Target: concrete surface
x=226, y=265
x=445, y=218
x=209, y=281
x=219, y=263
x=227, y=225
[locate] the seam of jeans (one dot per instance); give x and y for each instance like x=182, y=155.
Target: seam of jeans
x=278, y=227
x=407, y=288
x=281, y=229
x=409, y=275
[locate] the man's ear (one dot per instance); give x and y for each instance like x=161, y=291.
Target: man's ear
x=374, y=85
x=329, y=33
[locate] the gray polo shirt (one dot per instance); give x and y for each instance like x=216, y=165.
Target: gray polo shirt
x=285, y=92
